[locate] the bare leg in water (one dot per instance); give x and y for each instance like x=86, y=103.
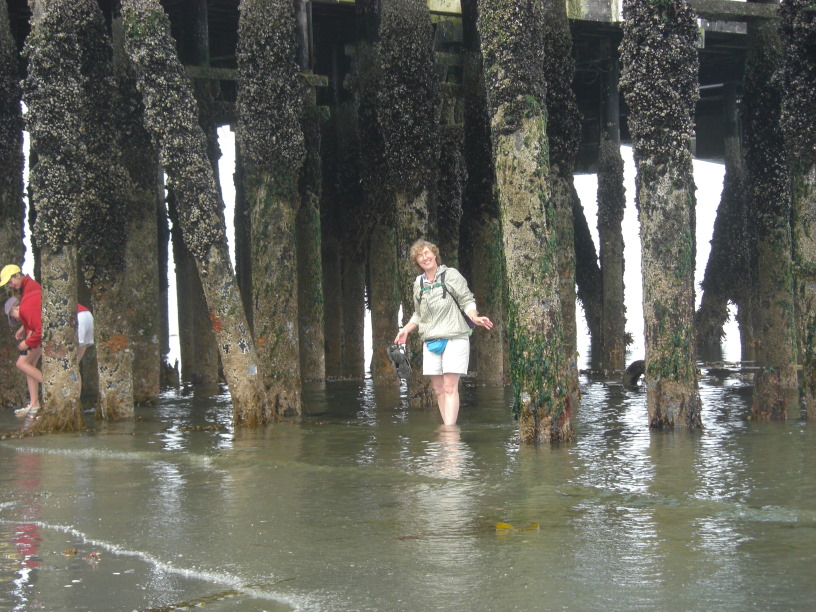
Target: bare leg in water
x=446, y=389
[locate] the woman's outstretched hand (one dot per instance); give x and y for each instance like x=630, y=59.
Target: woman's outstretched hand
x=402, y=336
x=482, y=322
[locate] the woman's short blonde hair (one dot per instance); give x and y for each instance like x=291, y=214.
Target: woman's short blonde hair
x=421, y=245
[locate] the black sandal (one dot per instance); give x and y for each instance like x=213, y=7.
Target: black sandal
x=399, y=359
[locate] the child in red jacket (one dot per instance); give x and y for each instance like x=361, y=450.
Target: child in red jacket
x=28, y=311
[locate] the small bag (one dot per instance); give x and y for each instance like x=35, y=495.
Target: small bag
x=437, y=346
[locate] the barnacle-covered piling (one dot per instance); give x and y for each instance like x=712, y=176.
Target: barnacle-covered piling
x=727, y=277
x=309, y=264
x=243, y=236
x=564, y=135
x=197, y=342
x=332, y=249
x=344, y=231
x=611, y=207
x=408, y=116
x=141, y=161
x=383, y=273
x=354, y=287
x=611, y=342
x=769, y=202
x=11, y=190
x=384, y=300
x=170, y=118
x=352, y=217
x=482, y=247
x=270, y=104
x=588, y=276
x=54, y=97
x=659, y=81
x=511, y=34
x=102, y=219
x=798, y=34
x=452, y=174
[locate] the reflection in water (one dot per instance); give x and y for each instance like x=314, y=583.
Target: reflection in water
x=367, y=504
x=20, y=539
x=448, y=456
x=440, y=510
x=26, y=537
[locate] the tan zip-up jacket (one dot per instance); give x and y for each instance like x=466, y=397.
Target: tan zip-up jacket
x=439, y=317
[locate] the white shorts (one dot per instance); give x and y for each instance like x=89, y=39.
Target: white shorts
x=85, y=328
x=453, y=360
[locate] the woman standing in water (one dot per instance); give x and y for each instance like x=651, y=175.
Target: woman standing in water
x=441, y=300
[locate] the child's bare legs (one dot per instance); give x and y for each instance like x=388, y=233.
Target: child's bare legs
x=27, y=364
x=80, y=355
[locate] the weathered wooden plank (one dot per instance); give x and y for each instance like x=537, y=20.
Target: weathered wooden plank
x=729, y=10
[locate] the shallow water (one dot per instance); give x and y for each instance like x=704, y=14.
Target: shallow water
x=367, y=505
